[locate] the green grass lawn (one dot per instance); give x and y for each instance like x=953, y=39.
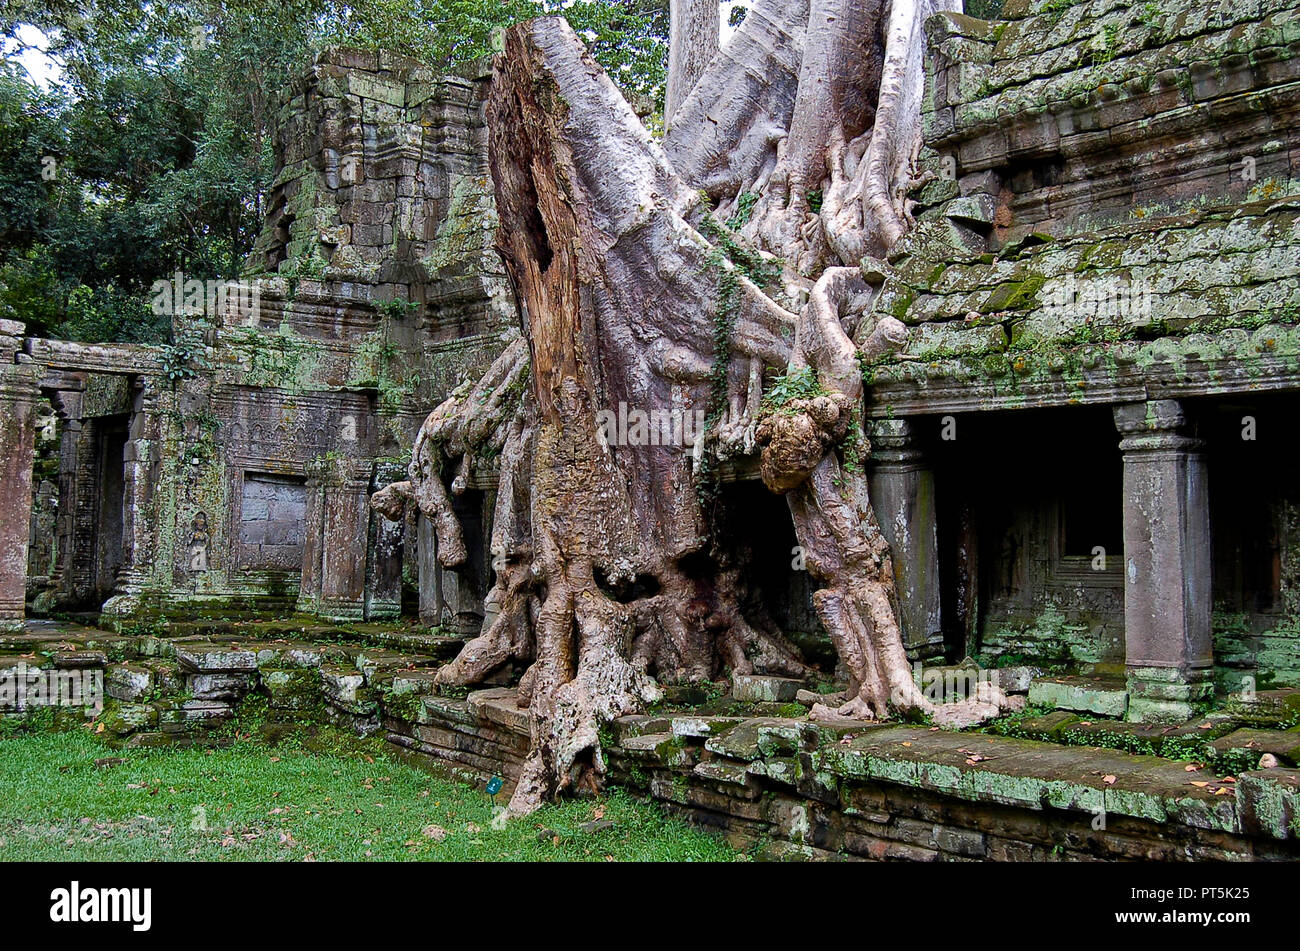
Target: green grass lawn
x=287, y=802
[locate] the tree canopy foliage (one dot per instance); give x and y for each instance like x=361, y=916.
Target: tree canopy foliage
x=152, y=150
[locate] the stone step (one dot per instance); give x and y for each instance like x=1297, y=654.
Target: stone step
x=293, y=653
x=439, y=708
x=371, y=661
x=752, y=739
x=660, y=749
x=79, y=659
x=213, y=657
x=728, y=774
x=1268, y=706
x=1250, y=744
x=419, y=682
x=1103, y=697
x=499, y=705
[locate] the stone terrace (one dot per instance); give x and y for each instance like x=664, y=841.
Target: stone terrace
x=756, y=769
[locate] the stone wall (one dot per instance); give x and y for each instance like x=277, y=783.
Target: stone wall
x=1063, y=117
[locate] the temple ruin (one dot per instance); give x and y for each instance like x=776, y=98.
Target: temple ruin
x=1079, y=457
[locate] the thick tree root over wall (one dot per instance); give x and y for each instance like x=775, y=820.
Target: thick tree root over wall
x=613, y=572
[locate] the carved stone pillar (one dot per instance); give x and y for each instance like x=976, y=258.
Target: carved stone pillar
x=902, y=494
x=336, y=533
x=430, y=574
x=140, y=516
x=18, y=397
x=1169, y=651
x=312, y=541
x=384, y=571
x=67, y=404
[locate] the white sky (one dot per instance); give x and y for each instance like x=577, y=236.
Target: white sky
x=46, y=72
x=43, y=70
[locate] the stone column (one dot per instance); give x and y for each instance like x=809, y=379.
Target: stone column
x=312, y=540
x=1169, y=652
x=902, y=494
x=384, y=576
x=67, y=404
x=18, y=397
x=430, y=574
x=346, y=528
x=140, y=515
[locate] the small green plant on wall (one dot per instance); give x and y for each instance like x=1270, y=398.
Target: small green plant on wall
x=181, y=361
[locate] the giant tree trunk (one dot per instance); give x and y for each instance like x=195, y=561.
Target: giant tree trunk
x=694, y=27
x=614, y=567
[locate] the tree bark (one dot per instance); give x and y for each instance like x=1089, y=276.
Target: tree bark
x=616, y=288
x=693, y=34
x=615, y=568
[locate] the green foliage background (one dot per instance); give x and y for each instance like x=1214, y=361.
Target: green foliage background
x=160, y=130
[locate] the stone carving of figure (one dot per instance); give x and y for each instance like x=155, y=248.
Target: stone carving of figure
x=199, y=542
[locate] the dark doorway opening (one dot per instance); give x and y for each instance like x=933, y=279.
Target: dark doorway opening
x=106, y=514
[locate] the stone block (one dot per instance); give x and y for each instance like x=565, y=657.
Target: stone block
x=724, y=773
x=219, y=686
x=1268, y=802
x=499, y=705
x=292, y=688
x=128, y=681
x=205, y=711
x=79, y=659
x=1248, y=743
x=754, y=688
x=1080, y=694
x=203, y=657
x=346, y=688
